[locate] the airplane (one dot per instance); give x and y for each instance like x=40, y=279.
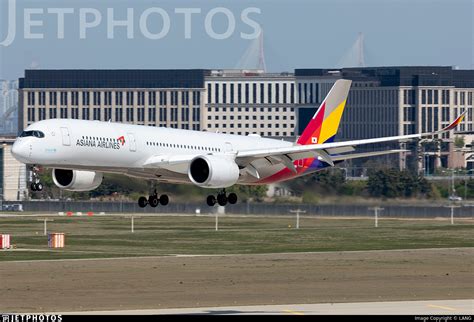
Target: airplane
x=80, y=151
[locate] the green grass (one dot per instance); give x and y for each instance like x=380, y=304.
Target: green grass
x=110, y=236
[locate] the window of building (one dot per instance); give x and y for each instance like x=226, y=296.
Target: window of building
x=270, y=95
x=185, y=114
x=31, y=98
x=97, y=100
x=53, y=113
x=75, y=113
x=107, y=114
x=96, y=114
x=63, y=112
x=254, y=93
x=141, y=114
x=217, y=93
x=42, y=98
x=119, y=98
x=209, y=93
x=129, y=112
x=292, y=94
x=163, y=98
x=119, y=115
x=174, y=114
x=64, y=98
x=151, y=98
x=75, y=98
x=130, y=98
x=239, y=93
x=185, y=98
x=42, y=114
x=174, y=98
x=31, y=115
x=224, y=93
x=163, y=117
x=53, y=98
x=196, y=98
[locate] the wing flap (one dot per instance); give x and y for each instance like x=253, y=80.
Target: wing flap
x=343, y=157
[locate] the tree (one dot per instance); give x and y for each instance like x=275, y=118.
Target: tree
x=459, y=142
x=392, y=183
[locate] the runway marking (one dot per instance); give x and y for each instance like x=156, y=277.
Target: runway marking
x=442, y=307
x=293, y=312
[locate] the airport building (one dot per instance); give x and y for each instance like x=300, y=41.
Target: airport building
x=389, y=101
x=13, y=174
x=250, y=102
x=167, y=98
x=383, y=101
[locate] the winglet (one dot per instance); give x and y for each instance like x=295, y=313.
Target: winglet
x=455, y=123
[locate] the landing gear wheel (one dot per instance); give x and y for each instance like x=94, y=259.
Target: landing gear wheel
x=142, y=202
x=211, y=201
x=164, y=200
x=222, y=199
x=232, y=198
x=36, y=184
x=153, y=201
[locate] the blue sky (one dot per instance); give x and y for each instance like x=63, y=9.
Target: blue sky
x=298, y=33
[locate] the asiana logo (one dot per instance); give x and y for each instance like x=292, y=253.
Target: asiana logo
x=103, y=143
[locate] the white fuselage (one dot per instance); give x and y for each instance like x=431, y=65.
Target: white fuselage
x=125, y=149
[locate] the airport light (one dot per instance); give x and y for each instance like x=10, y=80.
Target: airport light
x=298, y=211
x=132, y=223
x=376, y=214
x=452, y=206
x=45, y=224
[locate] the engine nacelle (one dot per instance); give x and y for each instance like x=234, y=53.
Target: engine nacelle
x=212, y=171
x=76, y=180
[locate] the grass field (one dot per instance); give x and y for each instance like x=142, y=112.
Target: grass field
x=110, y=236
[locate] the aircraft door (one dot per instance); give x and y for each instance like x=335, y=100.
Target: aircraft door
x=65, y=136
x=133, y=142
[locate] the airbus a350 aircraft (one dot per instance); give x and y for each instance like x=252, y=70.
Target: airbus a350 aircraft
x=79, y=152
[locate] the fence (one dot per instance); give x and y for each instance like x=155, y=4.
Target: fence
x=415, y=211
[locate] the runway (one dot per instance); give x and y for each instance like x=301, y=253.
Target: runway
x=245, y=284
x=442, y=307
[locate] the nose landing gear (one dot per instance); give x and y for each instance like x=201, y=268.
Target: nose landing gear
x=153, y=200
x=36, y=184
x=222, y=199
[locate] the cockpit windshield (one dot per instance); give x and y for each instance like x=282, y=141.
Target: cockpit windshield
x=36, y=134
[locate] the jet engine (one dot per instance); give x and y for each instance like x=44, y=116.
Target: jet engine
x=76, y=180
x=213, y=172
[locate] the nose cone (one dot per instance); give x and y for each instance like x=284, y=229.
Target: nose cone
x=21, y=151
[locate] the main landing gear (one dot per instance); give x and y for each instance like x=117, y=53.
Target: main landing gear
x=153, y=200
x=36, y=184
x=222, y=199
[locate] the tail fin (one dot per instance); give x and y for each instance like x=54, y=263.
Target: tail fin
x=325, y=123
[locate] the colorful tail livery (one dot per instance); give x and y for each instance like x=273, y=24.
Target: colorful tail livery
x=323, y=126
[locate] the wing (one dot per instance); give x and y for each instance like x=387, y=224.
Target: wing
x=287, y=155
